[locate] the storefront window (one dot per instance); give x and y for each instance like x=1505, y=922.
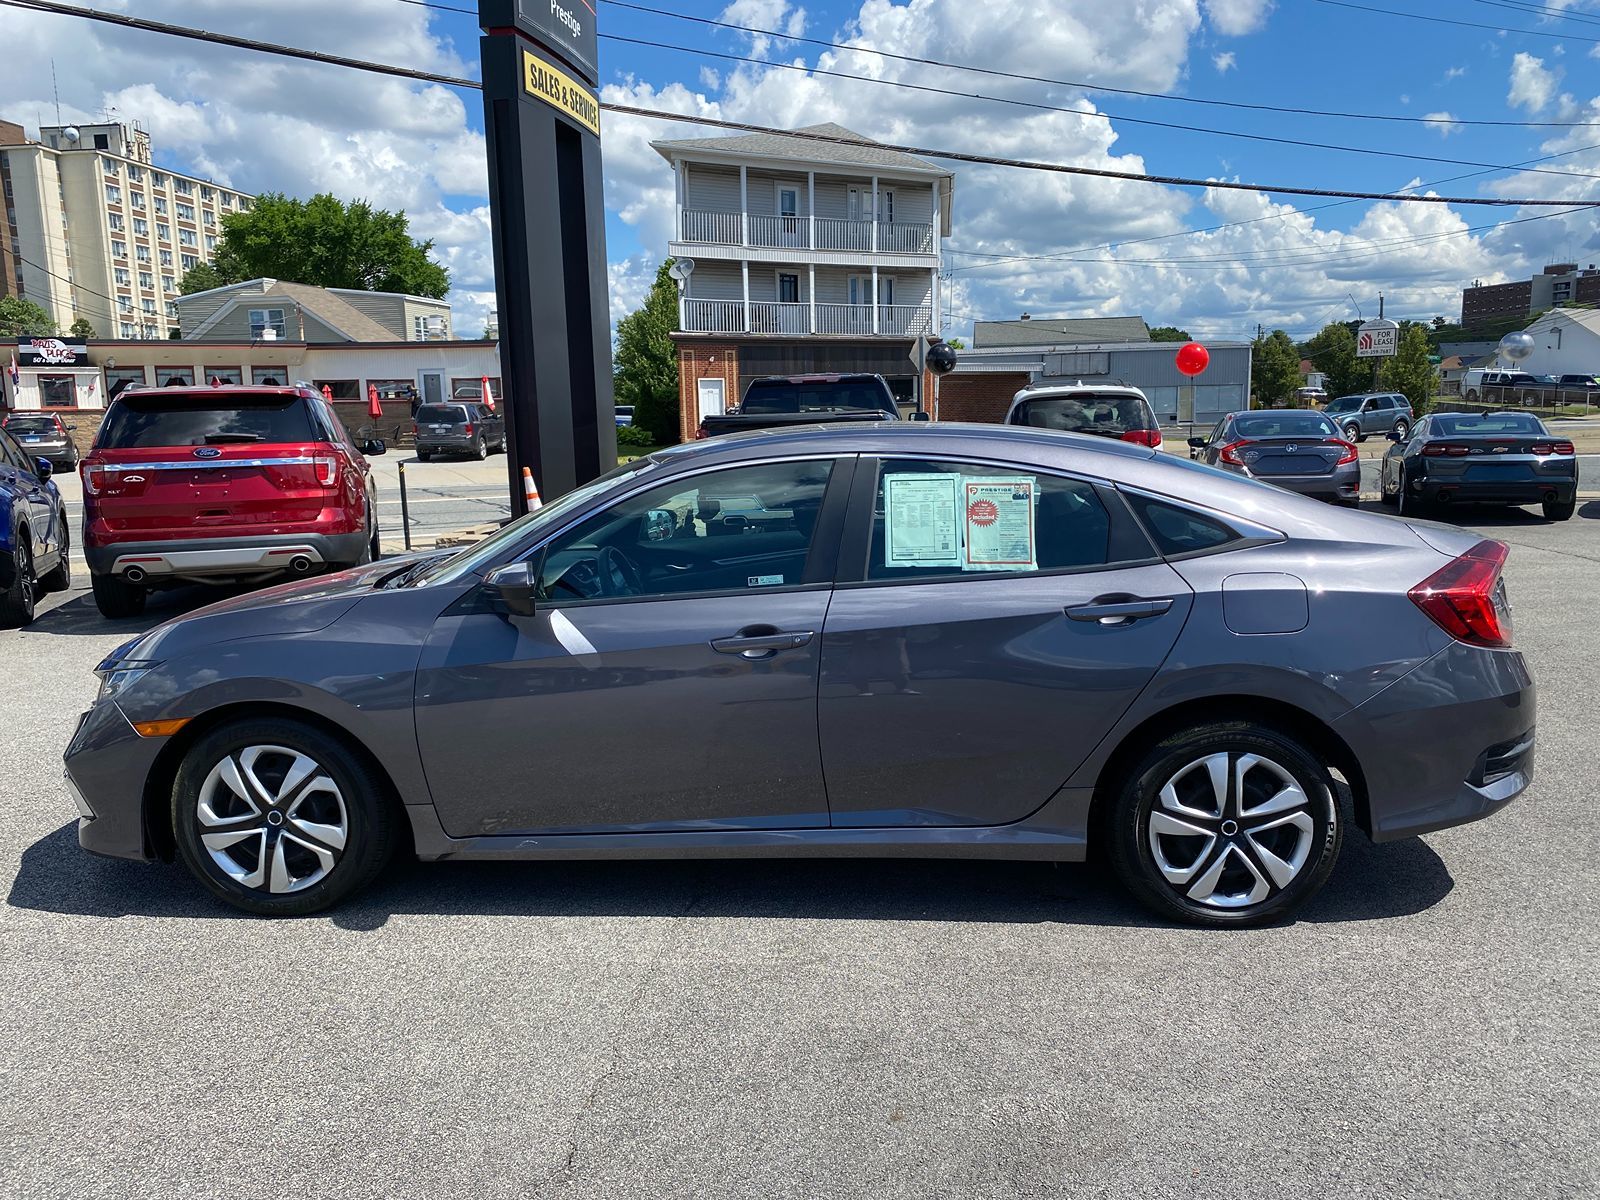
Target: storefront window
x=166, y=376
x=58, y=391
x=120, y=378
x=471, y=388
x=342, y=389
x=224, y=374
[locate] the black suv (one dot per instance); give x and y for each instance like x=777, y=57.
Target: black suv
x=458, y=427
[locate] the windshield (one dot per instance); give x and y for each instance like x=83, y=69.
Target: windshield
x=143, y=420
x=1283, y=424
x=546, y=519
x=1110, y=415
x=776, y=399
x=1344, y=404
x=1463, y=424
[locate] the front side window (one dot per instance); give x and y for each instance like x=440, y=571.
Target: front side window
x=743, y=529
x=934, y=519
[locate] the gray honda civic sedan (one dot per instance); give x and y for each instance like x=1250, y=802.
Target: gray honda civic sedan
x=894, y=640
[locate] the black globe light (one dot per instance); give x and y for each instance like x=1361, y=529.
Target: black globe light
x=941, y=358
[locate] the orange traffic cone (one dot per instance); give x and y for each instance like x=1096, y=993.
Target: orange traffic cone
x=530, y=490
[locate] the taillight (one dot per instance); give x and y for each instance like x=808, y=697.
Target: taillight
x=1544, y=448
x=1445, y=450
x=1230, y=454
x=1349, y=454
x=467, y=429
x=1459, y=596
x=327, y=470
x=93, y=477
x=1143, y=437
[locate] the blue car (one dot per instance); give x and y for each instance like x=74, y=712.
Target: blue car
x=34, y=541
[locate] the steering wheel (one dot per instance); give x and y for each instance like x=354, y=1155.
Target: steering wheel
x=618, y=575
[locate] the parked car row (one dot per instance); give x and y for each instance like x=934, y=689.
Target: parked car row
x=1481, y=383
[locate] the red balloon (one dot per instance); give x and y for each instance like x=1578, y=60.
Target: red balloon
x=1193, y=358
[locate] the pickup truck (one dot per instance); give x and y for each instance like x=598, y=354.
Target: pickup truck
x=784, y=400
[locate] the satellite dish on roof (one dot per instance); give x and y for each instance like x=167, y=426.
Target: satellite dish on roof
x=71, y=133
x=681, y=269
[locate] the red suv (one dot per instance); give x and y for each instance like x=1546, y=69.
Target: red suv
x=219, y=484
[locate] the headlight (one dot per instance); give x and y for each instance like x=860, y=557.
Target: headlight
x=119, y=677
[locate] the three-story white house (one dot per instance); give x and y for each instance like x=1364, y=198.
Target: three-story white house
x=808, y=257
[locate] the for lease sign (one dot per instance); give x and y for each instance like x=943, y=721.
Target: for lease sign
x=1377, y=339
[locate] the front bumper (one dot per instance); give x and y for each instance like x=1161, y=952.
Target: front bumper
x=1450, y=743
x=107, y=764
x=227, y=558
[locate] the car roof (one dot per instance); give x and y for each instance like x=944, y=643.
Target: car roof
x=216, y=389
x=832, y=377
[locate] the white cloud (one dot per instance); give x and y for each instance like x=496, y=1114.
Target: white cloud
x=1443, y=123
x=1455, y=73
x=1237, y=17
x=1224, y=62
x=1405, y=98
x=777, y=16
x=1532, y=85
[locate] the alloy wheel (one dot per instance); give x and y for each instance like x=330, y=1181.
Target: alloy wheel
x=272, y=819
x=1230, y=830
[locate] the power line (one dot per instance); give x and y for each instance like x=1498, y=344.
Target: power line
x=183, y=31
x=1541, y=10
x=1041, y=106
x=1026, y=78
x=1395, y=12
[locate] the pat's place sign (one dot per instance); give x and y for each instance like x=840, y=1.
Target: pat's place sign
x=52, y=352
x=563, y=27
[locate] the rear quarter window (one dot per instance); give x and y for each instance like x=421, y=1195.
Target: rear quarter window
x=149, y=419
x=1177, y=530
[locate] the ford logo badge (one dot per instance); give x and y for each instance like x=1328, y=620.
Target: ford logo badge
x=207, y=452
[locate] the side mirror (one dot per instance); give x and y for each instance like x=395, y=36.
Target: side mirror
x=513, y=588
x=657, y=525
x=1197, y=443
x=43, y=469
x=920, y=416
x=1394, y=436
x=374, y=446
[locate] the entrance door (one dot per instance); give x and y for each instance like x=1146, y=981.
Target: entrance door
x=432, y=386
x=711, y=398
x=668, y=679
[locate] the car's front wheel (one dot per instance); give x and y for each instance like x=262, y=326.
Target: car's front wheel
x=1352, y=433
x=279, y=818
x=1226, y=824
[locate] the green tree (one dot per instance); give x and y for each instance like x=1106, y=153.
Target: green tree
x=19, y=317
x=202, y=277
x=1333, y=351
x=1410, y=370
x=82, y=328
x=1169, y=333
x=955, y=343
x=646, y=362
x=327, y=243
x=1274, y=367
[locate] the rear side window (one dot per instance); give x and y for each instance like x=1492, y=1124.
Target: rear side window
x=141, y=420
x=1086, y=412
x=1177, y=530
x=441, y=414
x=776, y=399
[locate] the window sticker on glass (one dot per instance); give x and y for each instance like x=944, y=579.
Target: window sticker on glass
x=920, y=526
x=765, y=581
x=999, y=525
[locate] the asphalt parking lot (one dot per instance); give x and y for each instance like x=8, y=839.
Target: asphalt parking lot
x=1429, y=1028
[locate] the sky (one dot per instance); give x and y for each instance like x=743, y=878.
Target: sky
x=1022, y=241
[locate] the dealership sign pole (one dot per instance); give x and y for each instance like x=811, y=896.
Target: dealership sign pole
x=542, y=120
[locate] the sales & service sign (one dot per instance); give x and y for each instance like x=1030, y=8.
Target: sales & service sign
x=561, y=91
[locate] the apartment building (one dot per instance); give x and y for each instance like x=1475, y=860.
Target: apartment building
x=806, y=256
x=95, y=230
x=1557, y=286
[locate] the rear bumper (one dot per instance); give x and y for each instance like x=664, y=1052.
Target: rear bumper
x=1507, y=491
x=107, y=764
x=1342, y=483
x=206, y=558
x=448, y=443
x=1450, y=743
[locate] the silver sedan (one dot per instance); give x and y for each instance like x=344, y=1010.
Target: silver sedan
x=1296, y=449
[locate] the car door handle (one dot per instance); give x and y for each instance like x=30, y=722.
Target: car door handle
x=1119, y=612
x=760, y=641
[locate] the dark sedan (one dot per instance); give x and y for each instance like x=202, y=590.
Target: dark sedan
x=1293, y=448
x=44, y=435
x=899, y=640
x=1481, y=458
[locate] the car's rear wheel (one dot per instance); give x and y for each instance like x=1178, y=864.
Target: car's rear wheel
x=1352, y=433
x=480, y=450
x=1559, y=510
x=1386, y=497
x=18, y=600
x=279, y=818
x=115, y=598
x=1406, y=501
x=59, y=579
x=1226, y=824
x=424, y=456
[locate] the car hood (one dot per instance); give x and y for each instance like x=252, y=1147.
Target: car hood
x=304, y=606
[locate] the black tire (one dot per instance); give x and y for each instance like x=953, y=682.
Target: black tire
x=1352, y=433
x=1559, y=510
x=115, y=598
x=1385, y=497
x=480, y=450
x=18, y=600
x=424, y=456
x=375, y=546
x=368, y=817
x=1310, y=832
x=1407, y=504
x=60, y=578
